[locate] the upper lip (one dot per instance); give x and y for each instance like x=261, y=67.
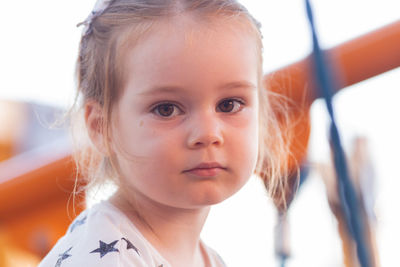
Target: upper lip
x=207, y=165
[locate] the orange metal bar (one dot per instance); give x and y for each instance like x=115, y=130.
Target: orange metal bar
x=34, y=210
x=354, y=61
x=369, y=55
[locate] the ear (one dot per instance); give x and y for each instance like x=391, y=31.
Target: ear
x=94, y=120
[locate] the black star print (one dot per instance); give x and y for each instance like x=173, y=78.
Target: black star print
x=105, y=248
x=129, y=245
x=63, y=257
x=77, y=223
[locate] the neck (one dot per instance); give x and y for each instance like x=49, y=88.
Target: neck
x=174, y=232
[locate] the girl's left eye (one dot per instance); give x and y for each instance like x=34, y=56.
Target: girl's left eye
x=230, y=105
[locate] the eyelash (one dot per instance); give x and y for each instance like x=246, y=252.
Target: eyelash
x=155, y=109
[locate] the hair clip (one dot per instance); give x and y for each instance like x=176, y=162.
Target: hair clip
x=98, y=10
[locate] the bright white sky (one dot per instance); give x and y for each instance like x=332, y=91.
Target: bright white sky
x=38, y=52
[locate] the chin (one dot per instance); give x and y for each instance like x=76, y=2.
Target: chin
x=209, y=197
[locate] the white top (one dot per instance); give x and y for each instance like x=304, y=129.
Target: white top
x=104, y=236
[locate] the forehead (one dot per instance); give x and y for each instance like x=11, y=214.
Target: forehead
x=184, y=47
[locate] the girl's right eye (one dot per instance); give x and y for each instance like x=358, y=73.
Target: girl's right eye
x=166, y=110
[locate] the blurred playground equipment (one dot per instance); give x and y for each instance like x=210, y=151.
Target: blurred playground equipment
x=36, y=178
x=363, y=177
x=37, y=172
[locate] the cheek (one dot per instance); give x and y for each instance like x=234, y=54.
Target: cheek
x=244, y=143
x=142, y=138
x=146, y=145
x=252, y=142
x=151, y=158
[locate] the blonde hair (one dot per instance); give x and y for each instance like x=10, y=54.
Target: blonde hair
x=99, y=75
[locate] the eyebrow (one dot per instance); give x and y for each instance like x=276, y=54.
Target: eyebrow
x=238, y=84
x=175, y=89
x=161, y=89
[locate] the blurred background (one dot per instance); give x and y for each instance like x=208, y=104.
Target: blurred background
x=38, y=53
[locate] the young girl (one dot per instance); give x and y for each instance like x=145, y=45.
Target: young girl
x=177, y=117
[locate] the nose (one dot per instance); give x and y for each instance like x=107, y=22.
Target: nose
x=205, y=130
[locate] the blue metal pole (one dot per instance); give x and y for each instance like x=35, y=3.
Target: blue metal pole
x=347, y=194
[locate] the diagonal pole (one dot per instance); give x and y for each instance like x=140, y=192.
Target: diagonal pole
x=347, y=194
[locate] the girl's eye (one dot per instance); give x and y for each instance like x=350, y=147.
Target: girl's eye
x=166, y=110
x=230, y=105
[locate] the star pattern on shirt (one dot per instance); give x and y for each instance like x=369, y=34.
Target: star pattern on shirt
x=129, y=245
x=106, y=248
x=62, y=257
x=77, y=223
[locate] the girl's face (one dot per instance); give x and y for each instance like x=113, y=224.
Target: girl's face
x=190, y=98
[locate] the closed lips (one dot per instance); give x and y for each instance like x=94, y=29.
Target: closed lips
x=210, y=165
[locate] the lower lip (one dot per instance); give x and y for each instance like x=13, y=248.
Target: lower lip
x=205, y=172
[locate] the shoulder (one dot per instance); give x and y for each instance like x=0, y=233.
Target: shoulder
x=213, y=257
x=100, y=236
